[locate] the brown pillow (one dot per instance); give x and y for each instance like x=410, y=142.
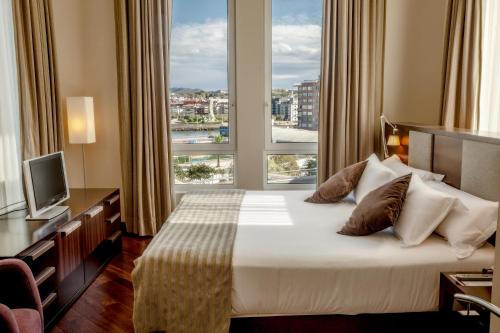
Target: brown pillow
x=339, y=185
x=379, y=209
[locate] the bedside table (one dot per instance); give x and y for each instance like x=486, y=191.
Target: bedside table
x=448, y=287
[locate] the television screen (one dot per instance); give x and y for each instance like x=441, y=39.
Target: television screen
x=47, y=177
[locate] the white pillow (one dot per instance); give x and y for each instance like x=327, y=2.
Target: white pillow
x=374, y=176
x=394, y=163
x=470, y=223
x=423, y=210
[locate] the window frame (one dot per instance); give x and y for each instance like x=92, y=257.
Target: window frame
x=214, y=148
x=272, y=148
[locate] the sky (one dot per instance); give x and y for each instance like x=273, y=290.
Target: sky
x=199, y=43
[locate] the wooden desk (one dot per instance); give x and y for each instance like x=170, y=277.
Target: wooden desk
x=68, y=252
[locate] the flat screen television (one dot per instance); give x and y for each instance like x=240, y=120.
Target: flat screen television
x=46, y=186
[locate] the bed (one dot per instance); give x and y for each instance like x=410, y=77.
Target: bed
x=258, y=255
x=289, y=260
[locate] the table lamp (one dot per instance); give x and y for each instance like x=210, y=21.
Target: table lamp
x=81, y=126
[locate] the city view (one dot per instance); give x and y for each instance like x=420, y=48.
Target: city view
x=199, y=97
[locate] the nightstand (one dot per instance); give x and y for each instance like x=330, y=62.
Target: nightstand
x=448, y=287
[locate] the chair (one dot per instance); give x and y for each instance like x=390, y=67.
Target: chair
x=20, y=305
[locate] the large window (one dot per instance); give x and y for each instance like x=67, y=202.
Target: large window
x=11, y=194
x=201, y=92
x=294, y=40
x=296, y=52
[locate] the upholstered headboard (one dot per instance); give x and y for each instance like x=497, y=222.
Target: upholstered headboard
x=471, y=165
x=469, y=160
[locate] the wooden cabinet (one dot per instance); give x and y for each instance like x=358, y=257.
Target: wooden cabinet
x=43, y=260
x=72, y=251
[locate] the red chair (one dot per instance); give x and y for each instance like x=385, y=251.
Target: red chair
x=20, y=305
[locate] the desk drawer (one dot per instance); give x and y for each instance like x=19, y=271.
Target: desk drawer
x=94, y=230
x=69, y=247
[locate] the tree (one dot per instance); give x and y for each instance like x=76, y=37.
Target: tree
x=200, y=171
x=311, y=166
x=218, y=140
x=284, y=164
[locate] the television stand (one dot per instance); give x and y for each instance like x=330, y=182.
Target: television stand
x=49, y=215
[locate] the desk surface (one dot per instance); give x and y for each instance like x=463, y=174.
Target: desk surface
x=17, y=234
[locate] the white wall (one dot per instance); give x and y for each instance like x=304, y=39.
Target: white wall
x=85, y=43
x=86, y=55
x=413, y=64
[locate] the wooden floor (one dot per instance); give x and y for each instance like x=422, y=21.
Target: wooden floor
x=106, y=306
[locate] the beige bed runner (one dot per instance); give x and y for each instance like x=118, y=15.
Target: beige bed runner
x=183, y=281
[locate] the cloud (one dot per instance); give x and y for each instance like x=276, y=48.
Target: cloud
x=199, y=54
x=296, y=53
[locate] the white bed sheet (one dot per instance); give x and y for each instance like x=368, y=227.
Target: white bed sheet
x=289, y=260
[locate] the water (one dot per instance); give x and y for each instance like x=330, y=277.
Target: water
x=194, y=136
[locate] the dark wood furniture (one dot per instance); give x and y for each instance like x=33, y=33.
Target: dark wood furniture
x=448, y=287
x=67, y=253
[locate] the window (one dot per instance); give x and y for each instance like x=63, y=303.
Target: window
x=11, y=194
x=293, y=69
x=201, y=92
x=489, y=117
x=204, y=169
x=296, y=52
x=291, y=169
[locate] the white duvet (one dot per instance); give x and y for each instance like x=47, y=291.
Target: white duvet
x=289, y=260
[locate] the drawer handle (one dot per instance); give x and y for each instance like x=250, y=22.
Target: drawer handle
x=49, y=300
x=44, y=275
x=112, y=200
x=94, y=211
x=69, y=228
x=114, y=236
x=113, y=218
x=37, y=251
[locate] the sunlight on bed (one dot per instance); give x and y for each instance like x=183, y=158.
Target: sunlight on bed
x=265, y=210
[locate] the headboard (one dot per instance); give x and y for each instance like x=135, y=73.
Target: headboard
x=469, y=159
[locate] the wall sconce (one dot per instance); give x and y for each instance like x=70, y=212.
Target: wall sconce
x=393, y=140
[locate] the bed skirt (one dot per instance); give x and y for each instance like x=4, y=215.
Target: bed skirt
x=182, y=282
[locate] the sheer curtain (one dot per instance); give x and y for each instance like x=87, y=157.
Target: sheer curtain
x=489, y=116
x=11, y=192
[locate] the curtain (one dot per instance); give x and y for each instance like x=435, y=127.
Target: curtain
x=460, y=106
x=11, y=191
x=351, y=83
x=143, y=41
x=41, y=119
x=489, y=115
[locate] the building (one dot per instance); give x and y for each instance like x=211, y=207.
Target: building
x=282, y=108
x=308, y=105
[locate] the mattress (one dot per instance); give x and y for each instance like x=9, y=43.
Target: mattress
x=289, y=260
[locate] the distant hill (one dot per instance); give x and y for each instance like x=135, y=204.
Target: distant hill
x=185, y=90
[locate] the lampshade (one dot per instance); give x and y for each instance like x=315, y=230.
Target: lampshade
x=393, y=140
x=81, y=127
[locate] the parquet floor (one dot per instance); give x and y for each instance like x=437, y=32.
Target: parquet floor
x=106, y=306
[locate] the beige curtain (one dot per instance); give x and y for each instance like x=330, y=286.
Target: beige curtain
x=460, y=106
x=143, y=38
x=351, y=82
x=41, y=119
